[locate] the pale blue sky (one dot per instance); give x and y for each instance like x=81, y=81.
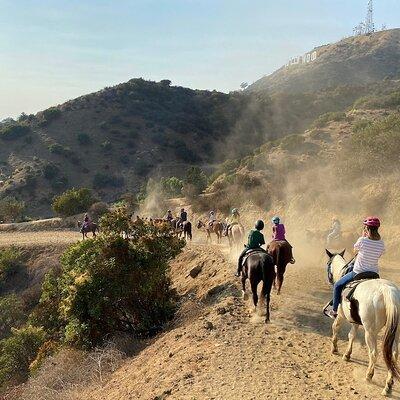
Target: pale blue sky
x=52, y=50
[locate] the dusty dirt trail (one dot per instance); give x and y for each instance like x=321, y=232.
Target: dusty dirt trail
x=218, y=349
x=39, y=238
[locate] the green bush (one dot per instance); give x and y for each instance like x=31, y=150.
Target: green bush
x=323, y=119
x=50, y=171
x=195, y=181
x=57, y=148
x=101, y=181
x=10, y=262
x=14, y=131
x=172, y=186
x=83, y=139
x=73, y=201
x=51, y=114
x=11, y=209
x=12, y=314
x=111, y=284
x=17, y=352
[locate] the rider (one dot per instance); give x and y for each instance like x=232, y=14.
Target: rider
x=183, y=216
x=212, y=218
x=169, y=217
x=279, y=232
x=255, y=241
x=368, y=249
x=335, y=231
x=86, y=221
x=234, y=219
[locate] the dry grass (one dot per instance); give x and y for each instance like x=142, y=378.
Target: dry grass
x=69, y=374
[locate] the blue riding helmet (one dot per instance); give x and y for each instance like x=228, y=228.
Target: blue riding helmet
x=276, y=220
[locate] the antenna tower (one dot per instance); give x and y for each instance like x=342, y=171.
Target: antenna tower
x=369, y=22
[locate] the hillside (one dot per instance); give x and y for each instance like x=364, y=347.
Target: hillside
x=354, y=61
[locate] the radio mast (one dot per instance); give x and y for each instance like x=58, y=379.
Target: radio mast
x=369, y=21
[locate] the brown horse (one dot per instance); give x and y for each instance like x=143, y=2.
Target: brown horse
x=85, y=229
x=216, y=228
x=235, y=236
x=281, y=252
x=259, y=266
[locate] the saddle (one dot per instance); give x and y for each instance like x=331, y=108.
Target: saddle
x=348, y=293
x=249, y=252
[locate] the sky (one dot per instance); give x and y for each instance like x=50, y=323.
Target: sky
x=55, y=50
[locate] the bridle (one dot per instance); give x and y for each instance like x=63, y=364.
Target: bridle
x=343, y=271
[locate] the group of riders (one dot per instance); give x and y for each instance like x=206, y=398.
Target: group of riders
x=367, y=249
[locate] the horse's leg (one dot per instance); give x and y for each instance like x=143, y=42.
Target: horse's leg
x=244, y=277
x=352, y=337
x=335, y=331
x=280, y=272
x=266, y=297
x=389, y=380
x=254, y=285
x=371, y=339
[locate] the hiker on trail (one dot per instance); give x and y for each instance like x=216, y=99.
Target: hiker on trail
x=255, y=241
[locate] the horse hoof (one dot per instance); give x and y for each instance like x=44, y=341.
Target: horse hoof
x=369, y=377
x=346, y=357
x=386, y=392
x=278, y=292
x=245, y=295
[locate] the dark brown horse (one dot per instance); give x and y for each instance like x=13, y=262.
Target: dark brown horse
x=281, y=252
x=216, y=227
x=185, y=229
x=85, y=229
x=259, y=266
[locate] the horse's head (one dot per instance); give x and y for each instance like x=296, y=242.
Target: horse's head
x=200, y=224
x=79, y=223
x=335, y=265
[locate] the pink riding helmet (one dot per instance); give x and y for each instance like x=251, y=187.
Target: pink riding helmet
x=372, y=221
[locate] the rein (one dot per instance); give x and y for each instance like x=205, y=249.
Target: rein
x=343, y=271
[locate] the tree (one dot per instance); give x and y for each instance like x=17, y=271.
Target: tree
x=195, y=181
x=172, y=186
x=73, y=201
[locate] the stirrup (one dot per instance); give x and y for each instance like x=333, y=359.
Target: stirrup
x=325, y=309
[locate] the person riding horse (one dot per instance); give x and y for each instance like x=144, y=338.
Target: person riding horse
x=183, y=217
x=169, y=217
x=212, y=218
x=233, y=220
x=335, y=232
x=255, y=241
x=279, y=233
x=86, y=221
x=368, y=249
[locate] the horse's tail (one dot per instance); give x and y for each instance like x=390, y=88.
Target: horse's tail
x=392, y=321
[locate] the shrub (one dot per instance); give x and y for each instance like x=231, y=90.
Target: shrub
x=11, y=209
x=172, y=186
x=112, y=284
x=98, y=209
x=323, y=119
x=50, y=171
x=83, y=139
x=101, y=181
x=18, y=351
x=10, y=261
x=14, y=131
x=73, y=201
x=57, y=148
x=12, y=314
x=195, y=181
x=50, y=114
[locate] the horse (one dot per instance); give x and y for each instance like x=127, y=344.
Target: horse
x=217, y=228
x=281, y=252
x=86, y=228
x=259, y=266
x=235, y=236
x=378, y=303
x=185, y=230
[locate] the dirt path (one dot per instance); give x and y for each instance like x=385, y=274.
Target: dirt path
x=218, y=349
x=39, y=238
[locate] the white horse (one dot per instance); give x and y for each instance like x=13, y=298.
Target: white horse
x=378, y=307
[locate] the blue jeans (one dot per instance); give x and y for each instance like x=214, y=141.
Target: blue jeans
x=338, y=287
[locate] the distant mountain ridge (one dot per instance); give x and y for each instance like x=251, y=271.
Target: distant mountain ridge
x=356, y=60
